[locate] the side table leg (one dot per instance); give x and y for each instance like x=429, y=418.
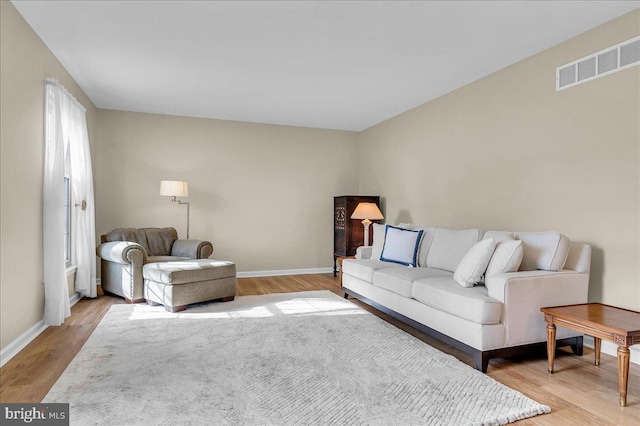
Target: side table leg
x=335, y=269
x=623, y=373
x=597, y=344
x=551, y=344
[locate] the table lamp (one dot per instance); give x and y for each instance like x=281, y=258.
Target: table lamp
x=367, y=211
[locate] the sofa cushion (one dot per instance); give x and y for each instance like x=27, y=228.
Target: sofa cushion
x=188, y=271
x=474, y=263
x=547, y=251
x=401, y=246
x=449, y=247
x=399, y=279
x=499, y=236
x=425, y=244
x=160, y=240
x=473, y=304
x=363, y=268
x=506, y=258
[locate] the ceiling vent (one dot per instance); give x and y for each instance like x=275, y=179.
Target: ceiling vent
x=599, y=64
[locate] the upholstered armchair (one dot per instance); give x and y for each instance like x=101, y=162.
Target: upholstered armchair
x=124, y=251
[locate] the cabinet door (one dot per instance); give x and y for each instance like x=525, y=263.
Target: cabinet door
x=340, y=222
x=348, y=234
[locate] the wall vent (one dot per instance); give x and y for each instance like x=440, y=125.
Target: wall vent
x=599, y=64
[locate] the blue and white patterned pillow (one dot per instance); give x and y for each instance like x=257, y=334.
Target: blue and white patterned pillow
x=401, y=245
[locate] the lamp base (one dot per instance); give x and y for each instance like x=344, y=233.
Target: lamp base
x=366, y=223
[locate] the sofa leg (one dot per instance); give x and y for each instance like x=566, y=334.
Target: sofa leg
x=152, y=303
x=126, y=299
x=174, y=309
x=345, y=294
x=481, y=360
x=228, y=299
x=577, y=348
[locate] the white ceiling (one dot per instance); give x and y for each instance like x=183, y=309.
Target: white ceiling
x=337, y=65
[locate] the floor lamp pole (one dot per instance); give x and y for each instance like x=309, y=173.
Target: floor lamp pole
x=188, y=205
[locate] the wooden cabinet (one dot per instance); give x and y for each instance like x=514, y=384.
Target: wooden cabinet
x=348, y=234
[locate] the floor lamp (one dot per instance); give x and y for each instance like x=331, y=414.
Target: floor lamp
x=367, y=211
x=175, y=189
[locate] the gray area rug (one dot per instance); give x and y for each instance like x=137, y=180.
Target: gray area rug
x=294, y=358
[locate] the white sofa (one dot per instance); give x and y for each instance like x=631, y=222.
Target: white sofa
x=497, y=318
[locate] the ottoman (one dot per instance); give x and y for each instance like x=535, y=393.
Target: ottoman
x=178, y=284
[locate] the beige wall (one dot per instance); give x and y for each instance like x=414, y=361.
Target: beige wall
x=262, y=194
x=509, y=152
x=506, y=152
x=24, y=64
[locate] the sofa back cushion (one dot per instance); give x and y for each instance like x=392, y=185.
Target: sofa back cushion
x=499, y=236
x=427, y=238
x=160, y=240
x=547, y=251
x=126, y=234
x=449, y=247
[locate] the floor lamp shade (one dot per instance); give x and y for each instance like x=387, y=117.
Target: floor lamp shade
x=174, y=189
x=368, y=212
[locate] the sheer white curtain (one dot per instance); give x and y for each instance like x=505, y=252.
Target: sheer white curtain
x=56, y=296
x=83, y=232
x=66, y=128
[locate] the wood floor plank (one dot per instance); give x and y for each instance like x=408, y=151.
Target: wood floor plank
x=579, y=393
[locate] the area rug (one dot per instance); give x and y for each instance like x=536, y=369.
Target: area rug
x=280, y=359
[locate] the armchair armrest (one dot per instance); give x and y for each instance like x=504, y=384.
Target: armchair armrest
x=124, y=252
x=363, y=252
x=195, y=249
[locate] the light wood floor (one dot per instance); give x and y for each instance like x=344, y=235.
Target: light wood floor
x=578, y=392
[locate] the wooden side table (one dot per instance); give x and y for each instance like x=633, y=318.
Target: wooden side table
x=340, y=259
x=618, y=325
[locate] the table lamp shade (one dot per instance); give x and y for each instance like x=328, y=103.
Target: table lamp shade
x=174, y=188
x=367, y=211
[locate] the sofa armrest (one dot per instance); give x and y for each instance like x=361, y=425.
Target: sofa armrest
x=363, y=252
x=195, y=249
x=124, y=252
x=524, y=293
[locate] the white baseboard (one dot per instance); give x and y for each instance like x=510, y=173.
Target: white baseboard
x=74, y=299
x=611, y=348
x=21, y=341
x=27, y=337
x=275, y=273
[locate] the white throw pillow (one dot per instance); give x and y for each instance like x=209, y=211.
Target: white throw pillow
x=378, y=240
x=401, y=246
x=506, y=258
x=474, y=263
